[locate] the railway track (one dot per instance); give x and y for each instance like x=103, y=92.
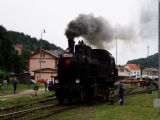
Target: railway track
x=116, y=97
x=136, y=92
x=71, y=107
x=23, y=112
x=53, y=109
x=25, y=108
x=14, y=107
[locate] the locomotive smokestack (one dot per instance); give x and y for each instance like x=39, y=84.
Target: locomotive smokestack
x=71, y=42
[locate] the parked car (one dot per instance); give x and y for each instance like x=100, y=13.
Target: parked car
x=32, y=81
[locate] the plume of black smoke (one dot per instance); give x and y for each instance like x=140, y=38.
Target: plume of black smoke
x=125, y=32
x=95, y=30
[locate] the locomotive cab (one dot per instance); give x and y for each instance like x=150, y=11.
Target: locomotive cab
x=82, y=50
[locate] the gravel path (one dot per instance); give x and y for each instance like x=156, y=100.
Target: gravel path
x=24, y=92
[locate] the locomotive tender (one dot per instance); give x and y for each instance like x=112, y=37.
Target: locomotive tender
x=84, y=74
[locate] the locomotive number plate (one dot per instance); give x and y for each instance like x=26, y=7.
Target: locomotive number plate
x=68, y=55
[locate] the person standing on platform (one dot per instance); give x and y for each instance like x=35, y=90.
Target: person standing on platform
x=14, y=82
x=121, y=94
x=45, y=84
x=111, y=96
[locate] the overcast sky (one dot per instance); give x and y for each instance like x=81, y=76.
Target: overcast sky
x=138, y=18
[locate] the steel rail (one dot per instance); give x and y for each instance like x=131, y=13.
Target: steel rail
x=24, y=104
x=23, y=112
x=59, y=110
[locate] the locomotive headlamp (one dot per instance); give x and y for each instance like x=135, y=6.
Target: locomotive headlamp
x=77, y=80
x=56, y=81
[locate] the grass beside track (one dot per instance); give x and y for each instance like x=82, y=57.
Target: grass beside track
x=8, y=89
x=24, y=99
x=137, y=107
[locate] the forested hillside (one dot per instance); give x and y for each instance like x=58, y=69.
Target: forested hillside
x=30, y=43
x=151, y=61
x=10, y=61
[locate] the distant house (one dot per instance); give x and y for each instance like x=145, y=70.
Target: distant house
x=135, y=70
x=150, y=73
x=43, y=64
x=19, y=48
x=123, y=72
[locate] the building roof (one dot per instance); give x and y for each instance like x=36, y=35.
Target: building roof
x=123, y=69
x=54, y=53
x=38, y=70
x=133, y=66
x=19, y=46
x=151, y=69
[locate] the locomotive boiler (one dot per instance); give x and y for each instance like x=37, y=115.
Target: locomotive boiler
x=84, y=74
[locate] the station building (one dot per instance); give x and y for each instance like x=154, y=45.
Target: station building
x=151, y=73
x=43, y=64
x=123, y=72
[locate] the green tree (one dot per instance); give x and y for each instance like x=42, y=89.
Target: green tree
x=24, y=57
x=9, y=59
x=5, y=50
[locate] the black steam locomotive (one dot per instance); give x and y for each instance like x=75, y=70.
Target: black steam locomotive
x=84, y=74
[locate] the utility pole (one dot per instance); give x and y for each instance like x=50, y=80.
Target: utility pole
x=116, y=49
x=148, y=51
x=40, y=61
x=157, y=101
x=158, y=48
